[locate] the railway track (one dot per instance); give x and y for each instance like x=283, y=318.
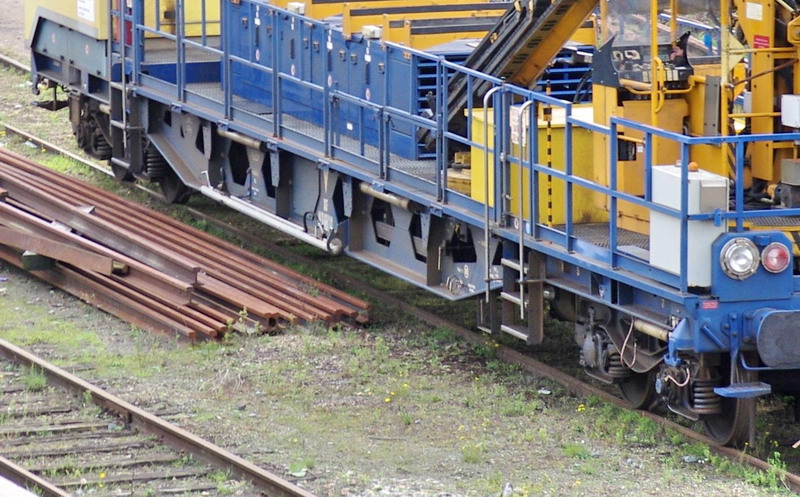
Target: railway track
x=510, y=355
x=92, y=442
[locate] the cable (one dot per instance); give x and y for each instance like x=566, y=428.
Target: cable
x=625, y=345
x=680, y=385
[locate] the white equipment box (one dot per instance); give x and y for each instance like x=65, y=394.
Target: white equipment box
x=707, y=192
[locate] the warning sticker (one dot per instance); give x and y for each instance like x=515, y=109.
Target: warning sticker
x=754, y=11
x=86, y=9
x=760, y=41
x=514, y=124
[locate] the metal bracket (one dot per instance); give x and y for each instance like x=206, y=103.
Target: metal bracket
x=347, y=193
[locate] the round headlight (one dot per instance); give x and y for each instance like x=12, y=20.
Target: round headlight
x=775, y=257
x=739, y=258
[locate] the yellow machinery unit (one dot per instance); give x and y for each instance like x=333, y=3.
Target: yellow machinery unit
x=551, y=191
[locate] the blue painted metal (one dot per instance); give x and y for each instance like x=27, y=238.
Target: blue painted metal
x=744, y=390
x=763, y=285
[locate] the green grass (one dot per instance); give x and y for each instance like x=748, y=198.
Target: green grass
x=575, y=451
x=34, y=380
x=472, y=453
x=300, y=468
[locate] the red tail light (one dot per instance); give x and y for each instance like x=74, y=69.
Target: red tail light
x=775, y=257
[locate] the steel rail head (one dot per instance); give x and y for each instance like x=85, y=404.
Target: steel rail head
x=9, y=62
x=172, y=435
x=24, y=478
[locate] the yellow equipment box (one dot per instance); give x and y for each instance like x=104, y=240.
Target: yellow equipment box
x=551, y=191
x=91, y=16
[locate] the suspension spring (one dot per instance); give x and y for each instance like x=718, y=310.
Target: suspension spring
x=704, y=400
x=615, y=367
x=99, y=146
x=155, y=164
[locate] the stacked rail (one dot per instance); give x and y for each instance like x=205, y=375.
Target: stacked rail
x=146, y=267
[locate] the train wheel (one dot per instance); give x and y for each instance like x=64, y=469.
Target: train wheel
x=639, y=390
x=175, y=192
x=733, y=425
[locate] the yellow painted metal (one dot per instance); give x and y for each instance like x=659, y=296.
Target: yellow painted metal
x=630, y=174
x=460, y=180
x=95, y=18
x=757, y=19
x=97, y=23
x=193, y=12
x=352, y=22
x=320, y=10
x=587, y=34
x=584, y=204
x=404, y=35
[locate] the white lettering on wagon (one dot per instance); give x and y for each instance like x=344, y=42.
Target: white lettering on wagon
x=86, y=10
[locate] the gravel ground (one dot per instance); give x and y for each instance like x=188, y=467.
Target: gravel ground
x=397, y=410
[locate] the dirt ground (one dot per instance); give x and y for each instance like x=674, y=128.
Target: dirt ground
x=397, y=410
x=11, y=32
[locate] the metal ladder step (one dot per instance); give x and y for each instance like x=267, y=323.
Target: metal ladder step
x=513, y=297
x=514, y=264
x=520, y=332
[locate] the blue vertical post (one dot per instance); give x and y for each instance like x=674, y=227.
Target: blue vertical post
x=361, y=139
x=533, y=176
x=739, y=185
x=227, y=89
x=136, y=21
x=568, y=171
x=648, y=167
x=158, y=15
x=381, y=143
x=684, y=217
x=386, y=102
x=443, y=113
x=612, y=229
x=326, y=95
x=180, y=25
x=251, y=34
x=438, y=134
x=469, y=107
x=276, y=78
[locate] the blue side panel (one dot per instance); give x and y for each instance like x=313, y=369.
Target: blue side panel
x=358, y=67
x=196, y=72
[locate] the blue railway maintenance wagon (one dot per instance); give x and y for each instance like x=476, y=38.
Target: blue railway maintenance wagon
x=469, y=183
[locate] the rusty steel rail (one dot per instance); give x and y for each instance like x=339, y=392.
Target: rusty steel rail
x=222, y=279
x=24, y=478
x=7, y=61
x=169, y=434
x=570, y=383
